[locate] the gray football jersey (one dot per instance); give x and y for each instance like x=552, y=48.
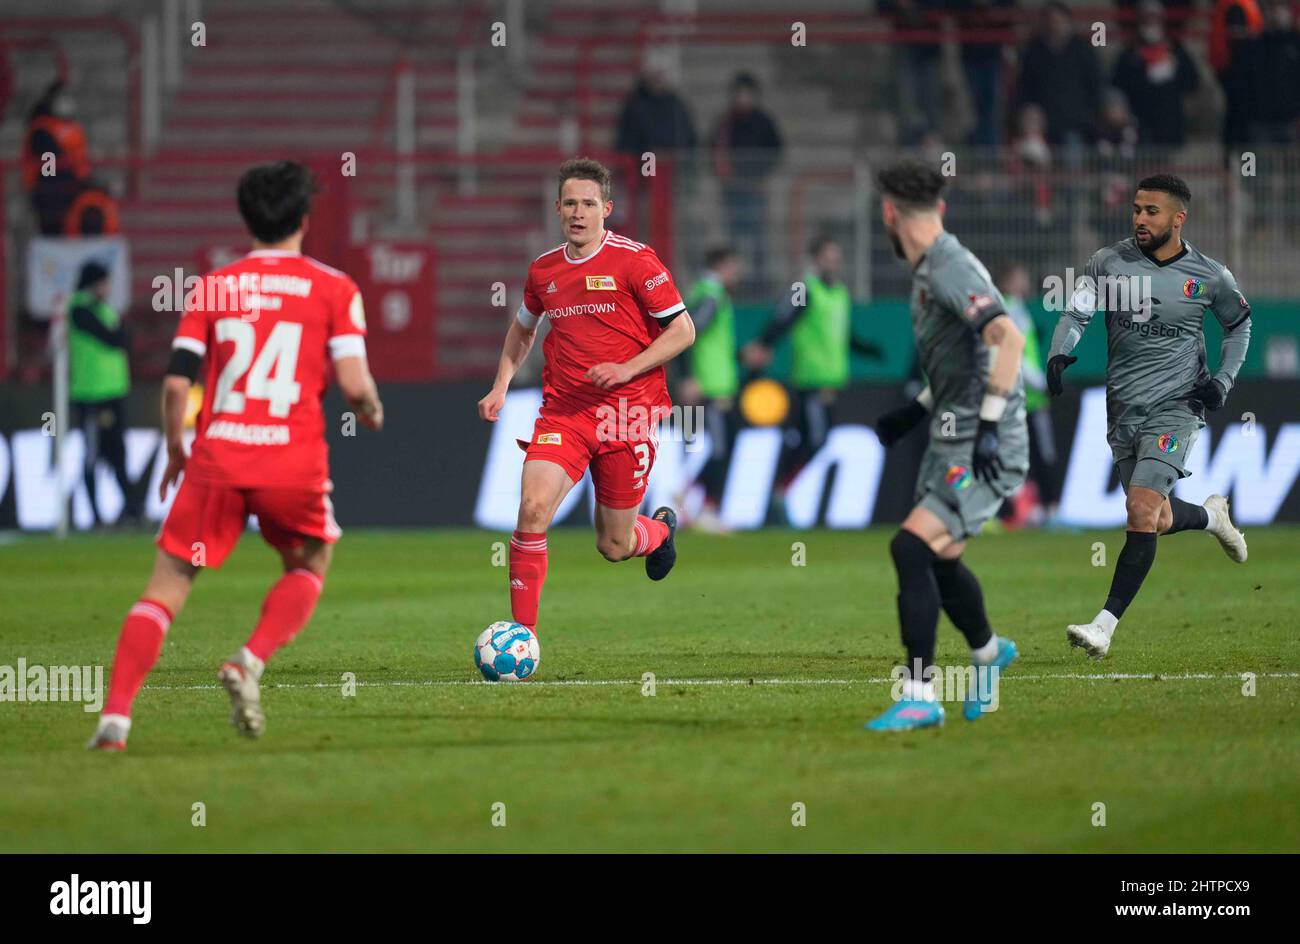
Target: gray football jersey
x=953, y=299
x=1155, y=324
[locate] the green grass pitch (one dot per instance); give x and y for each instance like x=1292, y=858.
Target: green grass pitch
x=417, y=758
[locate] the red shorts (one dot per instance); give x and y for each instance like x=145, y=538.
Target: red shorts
x=206, y=521
x=620, y=468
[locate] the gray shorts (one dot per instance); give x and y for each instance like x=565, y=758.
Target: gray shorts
x=947, y=486
x=1154, y=453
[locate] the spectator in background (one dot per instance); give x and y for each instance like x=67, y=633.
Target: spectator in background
x=1233, y=24
x=982, y=65
x=1273, y=79
x=746, y=148
x=714, y=377
x=654, y=116
x=1273, y=91
x=1059, y=72
x=920, y=77
x=1117, y=133
x=99, y=380
x=818, y=319
x=1117, y=138
x=1155, y=73
x=1044, y=460
x=93, y=211
x=52, y=130
x=1030, y=162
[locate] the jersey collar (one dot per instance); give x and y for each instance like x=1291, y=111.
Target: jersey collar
x=604, y=239
x=1170, y=261
x=272, y=253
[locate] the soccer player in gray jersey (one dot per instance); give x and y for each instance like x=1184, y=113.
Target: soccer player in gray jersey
x=1154, y=290
x=979, y=445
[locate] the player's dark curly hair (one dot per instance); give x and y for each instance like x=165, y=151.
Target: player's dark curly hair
x=274, y=198
x=585, y=168
x=911, y=185
x=1168, y=183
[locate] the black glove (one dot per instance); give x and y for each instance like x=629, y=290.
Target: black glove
x=1210, y=394
x=1055, y=367
x=896, y=424
x=985, y=462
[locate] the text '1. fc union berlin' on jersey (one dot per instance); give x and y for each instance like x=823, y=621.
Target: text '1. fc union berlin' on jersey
x=269, y=325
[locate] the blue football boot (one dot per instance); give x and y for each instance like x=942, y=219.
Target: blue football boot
x=907, y=715
x=986, y=677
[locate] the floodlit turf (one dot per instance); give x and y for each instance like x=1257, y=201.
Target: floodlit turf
x=1180, y=764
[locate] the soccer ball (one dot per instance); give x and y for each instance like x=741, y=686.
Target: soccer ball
x=507, y=652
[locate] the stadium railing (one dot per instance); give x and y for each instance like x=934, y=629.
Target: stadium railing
x=478, y=238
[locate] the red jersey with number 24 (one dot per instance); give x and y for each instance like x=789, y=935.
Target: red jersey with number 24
x=269, y=325
x=606, y=307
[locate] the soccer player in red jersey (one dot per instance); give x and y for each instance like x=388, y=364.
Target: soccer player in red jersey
x=268, y=327
x=615, y=319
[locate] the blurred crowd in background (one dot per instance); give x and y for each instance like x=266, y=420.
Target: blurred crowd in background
x=1037, y=95
x=1048, y=102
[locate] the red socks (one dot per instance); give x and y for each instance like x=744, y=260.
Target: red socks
x=138, y=647
x=528, y=565
x=287, y=608
x=527, y=574
x=649, y=535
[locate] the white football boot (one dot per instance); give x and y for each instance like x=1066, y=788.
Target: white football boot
x=1231, y=540
x=110, y=734
x=239, y=676
x=1089, y=637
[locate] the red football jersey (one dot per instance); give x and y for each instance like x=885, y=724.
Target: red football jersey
x=270, y=324
x=606, y=307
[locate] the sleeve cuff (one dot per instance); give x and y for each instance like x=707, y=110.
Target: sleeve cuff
x=673, y=310
x=984, y=318
x=347, y=345
x=527, y=318
x=185, y=343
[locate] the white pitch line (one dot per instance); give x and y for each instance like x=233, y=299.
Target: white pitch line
x=1066, y=676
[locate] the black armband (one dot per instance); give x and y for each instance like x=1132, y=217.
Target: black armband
x=184, y=363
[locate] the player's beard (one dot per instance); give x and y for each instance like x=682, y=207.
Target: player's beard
x=898, y=243
x=1157, y=240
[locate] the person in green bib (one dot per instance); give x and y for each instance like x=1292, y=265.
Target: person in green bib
x=714, y=374
x=1044, y=460
x=99, y=379
x=817, y=316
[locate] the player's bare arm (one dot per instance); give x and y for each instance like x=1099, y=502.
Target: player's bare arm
x=677, y=337
x=359, y=390
x=519, y=341
x=175, y=397
x=1003, y=337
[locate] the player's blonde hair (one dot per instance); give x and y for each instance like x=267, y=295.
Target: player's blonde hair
x=584, y=168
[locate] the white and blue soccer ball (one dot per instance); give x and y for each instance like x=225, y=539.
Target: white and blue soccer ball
x=507, y=652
